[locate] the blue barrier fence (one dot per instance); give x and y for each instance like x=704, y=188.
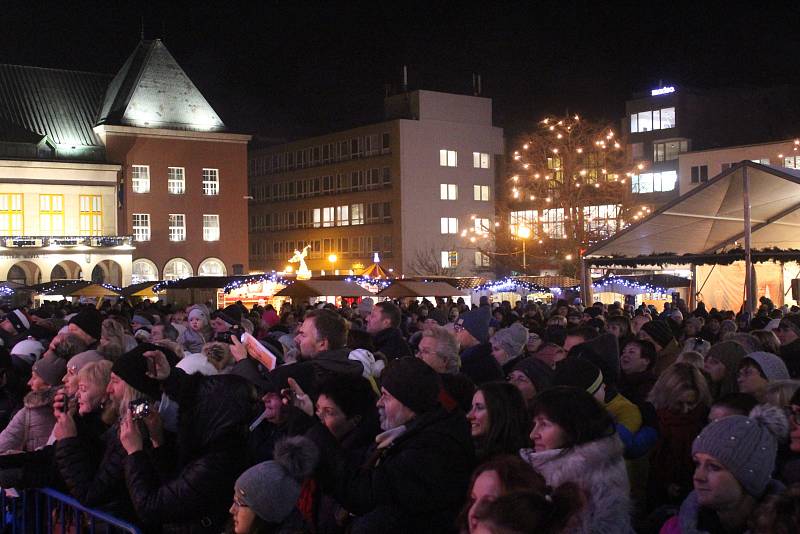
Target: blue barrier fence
x=46, y=511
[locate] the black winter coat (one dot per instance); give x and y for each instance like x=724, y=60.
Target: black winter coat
x=416, y=484
x=390, y=341
x=790, y=353
x=212, y=453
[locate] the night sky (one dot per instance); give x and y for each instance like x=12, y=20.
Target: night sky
x=285, y=69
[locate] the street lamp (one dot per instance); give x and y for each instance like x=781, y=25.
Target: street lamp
x=523, y=232
x=332, y=258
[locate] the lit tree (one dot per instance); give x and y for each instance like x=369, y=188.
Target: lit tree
x=569, y=187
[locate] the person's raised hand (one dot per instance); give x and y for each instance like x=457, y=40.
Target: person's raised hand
x=129, y=435
x=238, y=349
x=299, y=398
x=155, y=427
x=157, y=364
x=65, y=426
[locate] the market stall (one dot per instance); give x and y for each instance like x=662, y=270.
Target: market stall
x=419, y=289
x=737, y=234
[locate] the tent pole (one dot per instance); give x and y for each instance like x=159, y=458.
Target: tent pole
x=692, y=304
x=586, y=283
x=749, y=293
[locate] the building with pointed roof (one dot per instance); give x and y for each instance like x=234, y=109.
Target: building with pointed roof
x=118, y=178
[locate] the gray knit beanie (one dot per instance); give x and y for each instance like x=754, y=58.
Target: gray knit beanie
x=510, y=342
x=271, y=489
x=746, y=446
x=51, y=369
x=771, y=365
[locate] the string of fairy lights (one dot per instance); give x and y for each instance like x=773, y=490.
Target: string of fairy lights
x=510, y=284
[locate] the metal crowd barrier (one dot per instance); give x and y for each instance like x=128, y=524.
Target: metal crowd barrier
x=46, y=511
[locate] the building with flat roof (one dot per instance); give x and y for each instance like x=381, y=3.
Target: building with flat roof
x=402, y=191
x=121, y=178
x=669, y=121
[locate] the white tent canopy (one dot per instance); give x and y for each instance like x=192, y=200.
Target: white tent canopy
x=711, y=217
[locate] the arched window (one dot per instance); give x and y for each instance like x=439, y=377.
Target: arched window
x=143, y=271
x=177, y=268
x=212, y=267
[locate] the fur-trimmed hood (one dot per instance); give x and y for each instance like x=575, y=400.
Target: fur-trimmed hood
x=39, y=399
x=599, y=469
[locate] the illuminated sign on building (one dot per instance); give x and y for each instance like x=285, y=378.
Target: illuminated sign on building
x=662, y=91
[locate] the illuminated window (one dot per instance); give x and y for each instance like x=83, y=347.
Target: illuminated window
x=143, y=270
x=141, y=227
x=317, y=217
x=553, y=223
x=91, y=214
x=482, y=225
x=177, y=227
x=449, y=225
x=481, y=259
x=211, y=181
x=212, y=267
x=650, y=182
x=449, y=259
x=601, y=221
x=659, y=119
x=210, y=227
x=480, y=160
x=526, y=218
x=176, y=180
x=11, y=214
x=448, y=158
x=342, y=215
x=357, y=213
x=448, y=191
x=328, y=216
x=140, y=178
x=177, y=268
x=51, y=214
x=793, y=162
x=669, y=150
x=481, y=192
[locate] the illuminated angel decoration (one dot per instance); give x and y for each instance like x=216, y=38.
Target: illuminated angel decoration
x=300, y=257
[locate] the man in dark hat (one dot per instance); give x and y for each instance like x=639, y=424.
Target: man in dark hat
x=87, y=325
x=788, y=333
x=419, y=437
x=660, y=334
x=472, y=333
x=14, y=327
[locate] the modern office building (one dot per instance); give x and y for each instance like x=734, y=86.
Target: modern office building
x=117, y=178
x=400, y=191
x=696, y=168
x=669, y=121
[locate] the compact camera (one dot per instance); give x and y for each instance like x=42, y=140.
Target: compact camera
x=139, y=408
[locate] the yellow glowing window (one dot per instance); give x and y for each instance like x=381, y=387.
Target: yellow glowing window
x=91, y=214
x=51, y=214
x=10, y=214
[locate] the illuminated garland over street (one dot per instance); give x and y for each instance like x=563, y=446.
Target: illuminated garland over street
x=258, y=279
x=630, y=284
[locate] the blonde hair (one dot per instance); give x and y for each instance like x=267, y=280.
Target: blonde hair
x=779, y=393
x=96, y=373
x=446, y=347
x=676, y=380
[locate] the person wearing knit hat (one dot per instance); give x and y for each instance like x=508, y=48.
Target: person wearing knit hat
x=30, y=427
x=508, y=344
x=74, y=365
x=734, y=460
x=87, y=325
x=722, y=365
x=27, y=351
x=472, y=333
x=660, y=334
x=365, y=307
x=580, y=373
x=414, y=384
x=18, y=321
x=531, y=376
x=437, y=316
x=223, y=320
x=132, y=368
x=265, y=496
x=757, y=370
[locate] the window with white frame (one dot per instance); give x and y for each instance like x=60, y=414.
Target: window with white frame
x=176, y=180
x=481, y=259
x=212, y=267
x=357, y=213
x=699, y=174
x=211, y=181
x=480, y=160
x=177, y=227
x=328, y=216
x=140, y=178
x=448, y=191
x=342, y=215
x=317, y=217
x=210, y=227
x=669, y=150
x=449, y=259
x=143, y=270
x=481, y=192
x=449, y=225
x=141, y=226
x=448, y=158
x=177, y=268
x=482, y=225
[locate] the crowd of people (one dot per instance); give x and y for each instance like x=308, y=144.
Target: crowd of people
x=410, y=416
